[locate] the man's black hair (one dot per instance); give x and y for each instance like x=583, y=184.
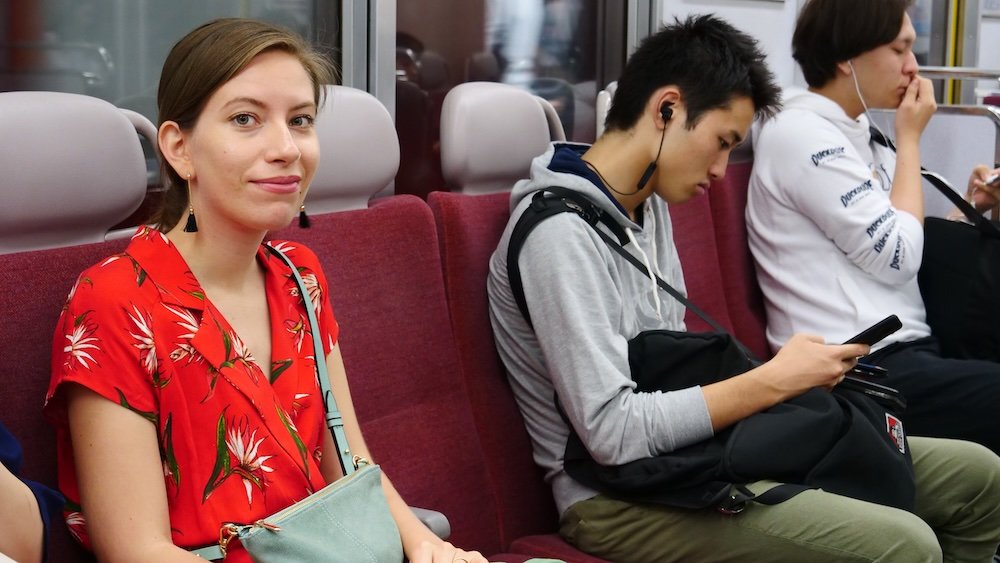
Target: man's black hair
x=833, y=31
x=710, y=61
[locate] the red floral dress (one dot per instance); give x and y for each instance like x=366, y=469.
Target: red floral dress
x=138, y=330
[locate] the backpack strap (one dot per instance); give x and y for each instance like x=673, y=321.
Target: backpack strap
x=565, y=200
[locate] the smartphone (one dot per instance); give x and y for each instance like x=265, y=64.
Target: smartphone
x=877, y=331
x=868, y=371
x=887, y=396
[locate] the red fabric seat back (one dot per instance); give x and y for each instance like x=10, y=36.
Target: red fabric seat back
x=694, y=235
x=386, y=287
x=469, y=228
x=34, y=286
x=739, y=280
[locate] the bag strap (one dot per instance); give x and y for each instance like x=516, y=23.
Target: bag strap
x=334, y=420
x=542, y=208
x=982, y=223
x=566, y=200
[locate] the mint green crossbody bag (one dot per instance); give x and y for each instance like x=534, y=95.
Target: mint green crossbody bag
x=348, y=521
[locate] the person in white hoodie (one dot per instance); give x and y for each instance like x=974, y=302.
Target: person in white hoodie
x=835, y=219
x=669, y=134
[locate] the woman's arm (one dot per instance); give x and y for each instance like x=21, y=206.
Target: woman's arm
x=20, y=520
x=121, y=481
x=419, y=543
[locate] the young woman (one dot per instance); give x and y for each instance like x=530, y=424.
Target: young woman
x=183, y=385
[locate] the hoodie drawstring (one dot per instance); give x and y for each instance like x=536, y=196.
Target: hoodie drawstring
x=652, y=269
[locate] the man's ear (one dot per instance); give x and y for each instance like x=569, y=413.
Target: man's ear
x=173, y=142
x=845, y=68
x=666, y=96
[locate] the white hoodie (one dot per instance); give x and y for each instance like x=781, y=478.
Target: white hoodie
x=833, y=255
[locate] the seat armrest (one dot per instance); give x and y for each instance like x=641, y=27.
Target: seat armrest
x=437, y=522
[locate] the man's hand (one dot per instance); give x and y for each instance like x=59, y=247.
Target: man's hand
x=981, y=195
x=805, y=362
x=915, y=110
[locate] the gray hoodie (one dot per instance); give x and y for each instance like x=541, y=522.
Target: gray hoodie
x=586, y=302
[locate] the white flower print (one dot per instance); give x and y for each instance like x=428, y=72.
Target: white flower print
x=315, y=293
x=144, y=341
x=283, y=246
x=189, y=323
x=249, y=466
x=81, y=342
x=76, y=523
x=242, y=353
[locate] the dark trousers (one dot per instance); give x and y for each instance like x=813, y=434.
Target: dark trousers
x=946, y=397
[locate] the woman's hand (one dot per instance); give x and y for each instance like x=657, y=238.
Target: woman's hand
x=981, y=195
x=443, y=552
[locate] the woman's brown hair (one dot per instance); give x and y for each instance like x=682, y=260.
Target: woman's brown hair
x=201, y=62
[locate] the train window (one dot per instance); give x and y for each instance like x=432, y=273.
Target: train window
x=114, y=49
x=548, y=47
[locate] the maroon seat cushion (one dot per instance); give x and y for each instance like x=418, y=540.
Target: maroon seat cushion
x=552, y=545
x=387, y=292
x=469, y=228
x=33, y=289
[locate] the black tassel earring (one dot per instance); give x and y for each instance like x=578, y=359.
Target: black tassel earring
x=192, y=224
x=303, y=218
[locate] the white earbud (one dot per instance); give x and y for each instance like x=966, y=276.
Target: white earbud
x=871, y=121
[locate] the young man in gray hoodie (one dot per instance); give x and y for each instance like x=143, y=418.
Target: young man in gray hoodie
x=686, y=98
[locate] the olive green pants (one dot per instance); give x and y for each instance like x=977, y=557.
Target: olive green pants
x=957, y=518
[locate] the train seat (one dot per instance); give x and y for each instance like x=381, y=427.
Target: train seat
x=603, y=104
x=489, y=134
x=387, y=293
x=360, y=151
x=73, y=169
x=469, y=228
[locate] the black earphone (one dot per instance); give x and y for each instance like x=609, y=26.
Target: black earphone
x=666, y=112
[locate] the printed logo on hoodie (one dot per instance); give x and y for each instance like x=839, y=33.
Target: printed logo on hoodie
x=856, y=194
x=827, y=154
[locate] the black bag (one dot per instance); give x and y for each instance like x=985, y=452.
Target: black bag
x=844, y=442
x=960, y=277
x=960, y=284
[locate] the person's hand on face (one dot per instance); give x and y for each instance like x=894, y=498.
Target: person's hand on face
x=916, y=109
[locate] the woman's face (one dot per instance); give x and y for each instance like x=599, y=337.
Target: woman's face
x=253, y=150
